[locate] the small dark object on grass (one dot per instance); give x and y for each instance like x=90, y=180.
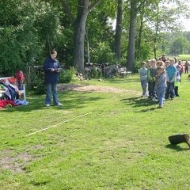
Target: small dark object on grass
x=180, y=138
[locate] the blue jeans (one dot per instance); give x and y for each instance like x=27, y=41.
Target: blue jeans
x=161, y=95
x=170, y=93
x=151, y=88
x=144, y=86
x=51, y=89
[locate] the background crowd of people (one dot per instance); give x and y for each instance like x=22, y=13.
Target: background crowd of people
x=160, y=79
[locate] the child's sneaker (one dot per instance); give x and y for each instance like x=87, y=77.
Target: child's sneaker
x=154, y=99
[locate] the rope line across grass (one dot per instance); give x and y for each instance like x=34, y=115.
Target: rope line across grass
x=30, y=134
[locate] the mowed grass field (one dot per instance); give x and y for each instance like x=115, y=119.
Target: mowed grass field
x=104, y=139
x=184, y=57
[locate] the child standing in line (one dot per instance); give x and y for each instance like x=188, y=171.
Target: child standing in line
x=143, y=78
x=161, y=84
x=178, y=81
x=171, y=71
x=151, y=79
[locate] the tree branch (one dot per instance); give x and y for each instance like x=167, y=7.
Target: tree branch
x=67, y=10
x=93, y=5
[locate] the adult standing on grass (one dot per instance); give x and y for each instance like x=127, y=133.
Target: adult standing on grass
x=143, y=77
x=186, y=67
x=51, y=70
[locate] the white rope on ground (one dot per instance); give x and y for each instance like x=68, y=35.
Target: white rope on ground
x=30, y=134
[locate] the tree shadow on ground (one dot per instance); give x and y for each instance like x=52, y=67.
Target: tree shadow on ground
x=38, y=102
x=122, y=80
x=146, y=103
x=176, y=147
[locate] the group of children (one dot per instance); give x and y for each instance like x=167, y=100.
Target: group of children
x=161, y=78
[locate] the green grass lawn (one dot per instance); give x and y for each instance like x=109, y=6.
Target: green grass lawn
x=97, y=140
x=184, y=57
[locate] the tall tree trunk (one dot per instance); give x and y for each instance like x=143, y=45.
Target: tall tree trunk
x=117, y=43
x=132, y=34
x=140, y=32
x=84, y=7
x=79, y=34
x=88, y=47
x=155, y=39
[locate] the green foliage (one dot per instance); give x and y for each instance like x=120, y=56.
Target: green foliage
x=100, y=34
x=137, y=66
x=48, y=27
x=145, y=51
x=176, y=43
x=26, y=33
x=179, y=45
x=10, y=50
x=67, y=76
x=30, y=28
x=96, y=73
x=102, y=53
x=36, y=82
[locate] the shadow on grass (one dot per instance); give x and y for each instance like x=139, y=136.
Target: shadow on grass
x=140, y=102
x=176, y=147
x=69, y=101
x=122, y=80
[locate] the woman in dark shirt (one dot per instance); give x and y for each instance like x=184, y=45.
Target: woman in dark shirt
x=51, y=71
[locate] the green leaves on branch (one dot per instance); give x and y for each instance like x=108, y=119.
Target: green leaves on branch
x=27, y=29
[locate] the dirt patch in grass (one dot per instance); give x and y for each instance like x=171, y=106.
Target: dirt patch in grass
x=17, y=161
x=92, y=88
x=14, y=163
